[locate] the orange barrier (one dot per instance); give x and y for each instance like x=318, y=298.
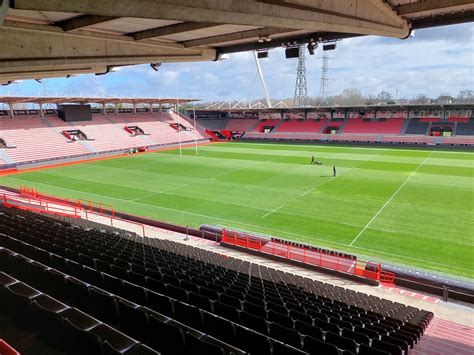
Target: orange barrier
x=365, y=269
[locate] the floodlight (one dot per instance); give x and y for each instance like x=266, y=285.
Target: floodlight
x=329, y=46
x=292, y=52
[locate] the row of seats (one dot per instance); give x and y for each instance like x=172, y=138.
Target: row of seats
x=39, y=138
x=66, y=327
x=139, y=270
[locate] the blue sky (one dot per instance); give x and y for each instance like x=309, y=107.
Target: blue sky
x=433, y=62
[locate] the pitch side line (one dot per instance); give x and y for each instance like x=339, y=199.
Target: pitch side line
x=272, y=211
x=389, y=200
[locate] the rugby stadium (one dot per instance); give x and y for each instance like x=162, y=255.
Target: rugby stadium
x=134, y=224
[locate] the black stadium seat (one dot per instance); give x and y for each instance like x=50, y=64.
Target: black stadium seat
x=317, y=346
x=178, y=299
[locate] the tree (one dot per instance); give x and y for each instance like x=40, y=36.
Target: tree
x=384, y=97
x=466, y=96
x=445, y=99
x=350, y=96
x=371, y=100
x=421, y=99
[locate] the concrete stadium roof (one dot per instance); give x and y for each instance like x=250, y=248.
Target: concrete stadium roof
x=96, y=100
x=57, y=38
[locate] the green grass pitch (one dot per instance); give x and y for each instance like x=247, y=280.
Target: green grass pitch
x=403, y=206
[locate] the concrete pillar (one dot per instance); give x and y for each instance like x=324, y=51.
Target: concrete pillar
x=11, y=109
x=134, y=108
x=116, y=109
x=104, y=110
x=161, y=108
x=151, y=108
x=41, y=110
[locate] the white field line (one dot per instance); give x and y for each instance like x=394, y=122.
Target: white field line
x=273, y=211
x=321, y=184
x=261, y=227
x=389, y=200
x=193, y=182
x=307, y=192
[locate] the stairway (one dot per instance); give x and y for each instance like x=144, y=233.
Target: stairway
x=275, y=128
x=405, y=126
x=85, y=144
x=344, y=124
x=255, y=125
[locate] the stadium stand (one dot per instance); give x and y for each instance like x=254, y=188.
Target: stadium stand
x=465, y=129
x=308, y=125
x=266, y=124
x=381, y=126
x=240, y=125
x=213, y=124
x=35, y=140
x=415, y=126
x=41, y=139
x=99, y=290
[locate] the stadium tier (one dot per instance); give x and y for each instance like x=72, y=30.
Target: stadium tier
x=385, y=126
x=308, y=125
x=79, y=287
x=374, y=124
x=31, y=138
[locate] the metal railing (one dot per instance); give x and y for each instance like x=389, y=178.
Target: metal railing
x=343, y=264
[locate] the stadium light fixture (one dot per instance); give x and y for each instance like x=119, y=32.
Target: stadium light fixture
x=312, y=45
x=110, y=69
x=155, y=66
x=262, y=54
x=292, y=52
x=329, y=46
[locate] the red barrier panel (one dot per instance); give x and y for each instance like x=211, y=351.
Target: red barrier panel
x=347, y=265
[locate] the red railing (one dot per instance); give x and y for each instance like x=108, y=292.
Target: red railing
x=97, y=206
x=387, y=277
x=81, y=203
x=242, y=239
x=36, y=204
x=347, y=265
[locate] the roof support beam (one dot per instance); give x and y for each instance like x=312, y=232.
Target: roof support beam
x=3, y=10
x=260, y=32
x=37, y=51
x=300, y=39
x=423, y=6
x=172, y=29
x=350, y=16
x=77, y=23
x=448, y=19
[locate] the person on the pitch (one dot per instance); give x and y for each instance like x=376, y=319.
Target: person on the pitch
x=334, y=171
x=312, y=159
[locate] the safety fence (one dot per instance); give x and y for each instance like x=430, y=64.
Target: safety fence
x=36, y=204
x=86, y=205
x=347, y=265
